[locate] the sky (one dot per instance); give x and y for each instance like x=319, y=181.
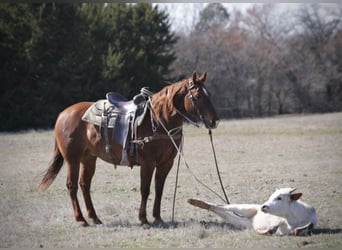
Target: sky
x=183, y=15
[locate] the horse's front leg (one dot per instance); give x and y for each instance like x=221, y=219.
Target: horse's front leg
x=146, y=172
x=160, y=177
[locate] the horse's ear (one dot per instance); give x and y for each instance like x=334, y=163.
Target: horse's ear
x=203, y=77
x=194, y=77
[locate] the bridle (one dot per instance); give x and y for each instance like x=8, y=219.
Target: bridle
x=187, y=116
x=191, y=85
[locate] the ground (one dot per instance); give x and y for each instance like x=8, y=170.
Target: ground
x=255, y=156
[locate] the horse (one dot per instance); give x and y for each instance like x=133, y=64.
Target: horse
x=79, y=143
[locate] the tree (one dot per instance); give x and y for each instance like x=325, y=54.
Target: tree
x=61, y=55
x=319, y=46
x=16, y=25
x=141, y=47
x=266, y=62
x=212, y=15
x=54, y=55
x=201, y=49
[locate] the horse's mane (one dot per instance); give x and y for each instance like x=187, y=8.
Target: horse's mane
x=164, y=101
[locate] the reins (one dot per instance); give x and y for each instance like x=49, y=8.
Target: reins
x=171, y=135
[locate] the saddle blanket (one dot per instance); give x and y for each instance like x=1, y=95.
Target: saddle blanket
x=121, y=119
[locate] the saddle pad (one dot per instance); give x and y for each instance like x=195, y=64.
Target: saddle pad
x=115, y=119
x=94, y=113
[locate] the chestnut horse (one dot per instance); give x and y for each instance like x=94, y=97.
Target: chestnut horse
x=80, y=143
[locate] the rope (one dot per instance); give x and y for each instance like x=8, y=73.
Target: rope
x=217, y=169
x=176, y=184
x=181, y=155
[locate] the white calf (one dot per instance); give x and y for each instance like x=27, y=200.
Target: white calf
x=282, y=214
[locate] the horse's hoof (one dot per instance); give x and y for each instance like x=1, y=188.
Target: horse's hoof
x=97, y=221
x=146, y=225
x=83, y=224
x=159, y=223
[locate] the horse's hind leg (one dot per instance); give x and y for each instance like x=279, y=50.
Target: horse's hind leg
x=88, y=166
x=72, y=185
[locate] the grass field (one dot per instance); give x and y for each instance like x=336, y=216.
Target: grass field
x=255, y=156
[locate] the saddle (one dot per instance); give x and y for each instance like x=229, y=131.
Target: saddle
x=124, y=117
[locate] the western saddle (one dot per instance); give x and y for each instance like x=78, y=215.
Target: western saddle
x=124, y=116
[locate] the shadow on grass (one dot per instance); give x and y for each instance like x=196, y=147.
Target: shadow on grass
x=317, y=231
x=121, y=223
x=205, y=224
x=170, y=224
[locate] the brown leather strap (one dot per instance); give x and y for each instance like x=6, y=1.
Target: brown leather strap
x=148, y=139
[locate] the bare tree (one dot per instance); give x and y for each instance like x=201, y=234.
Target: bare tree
x=183, y=16
x=265, y=62
x=318, y=47
x=268, y=35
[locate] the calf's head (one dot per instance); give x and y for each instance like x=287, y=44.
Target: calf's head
x=280, y=201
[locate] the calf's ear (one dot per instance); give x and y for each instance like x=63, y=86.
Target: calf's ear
x=295, y=196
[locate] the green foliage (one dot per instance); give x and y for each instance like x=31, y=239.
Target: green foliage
x=142, y=51
x=54, y=55
x=15, y=32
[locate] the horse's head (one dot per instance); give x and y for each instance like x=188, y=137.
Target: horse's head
x=199, y=103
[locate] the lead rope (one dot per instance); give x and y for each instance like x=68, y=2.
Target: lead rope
x=176, y=184
x=181, y=155
x=217, y=169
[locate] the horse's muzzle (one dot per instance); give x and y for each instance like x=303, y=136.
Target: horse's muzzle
x=212, y=124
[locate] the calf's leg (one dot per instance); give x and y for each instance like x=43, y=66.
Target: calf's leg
x=226, y=212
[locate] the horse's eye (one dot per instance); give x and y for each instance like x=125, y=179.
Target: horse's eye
x=278, y=199
x=197, y=97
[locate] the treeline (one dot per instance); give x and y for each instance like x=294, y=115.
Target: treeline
x=265, y=62
x=259, y=63
x=54, y=55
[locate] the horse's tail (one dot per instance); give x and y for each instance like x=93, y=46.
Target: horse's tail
x=52, y=171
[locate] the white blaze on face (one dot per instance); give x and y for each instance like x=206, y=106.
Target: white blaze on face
x=205, y=91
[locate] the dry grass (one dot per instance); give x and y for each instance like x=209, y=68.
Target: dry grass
x=255, y=157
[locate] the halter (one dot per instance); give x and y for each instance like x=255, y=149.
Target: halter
x=190, y=87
